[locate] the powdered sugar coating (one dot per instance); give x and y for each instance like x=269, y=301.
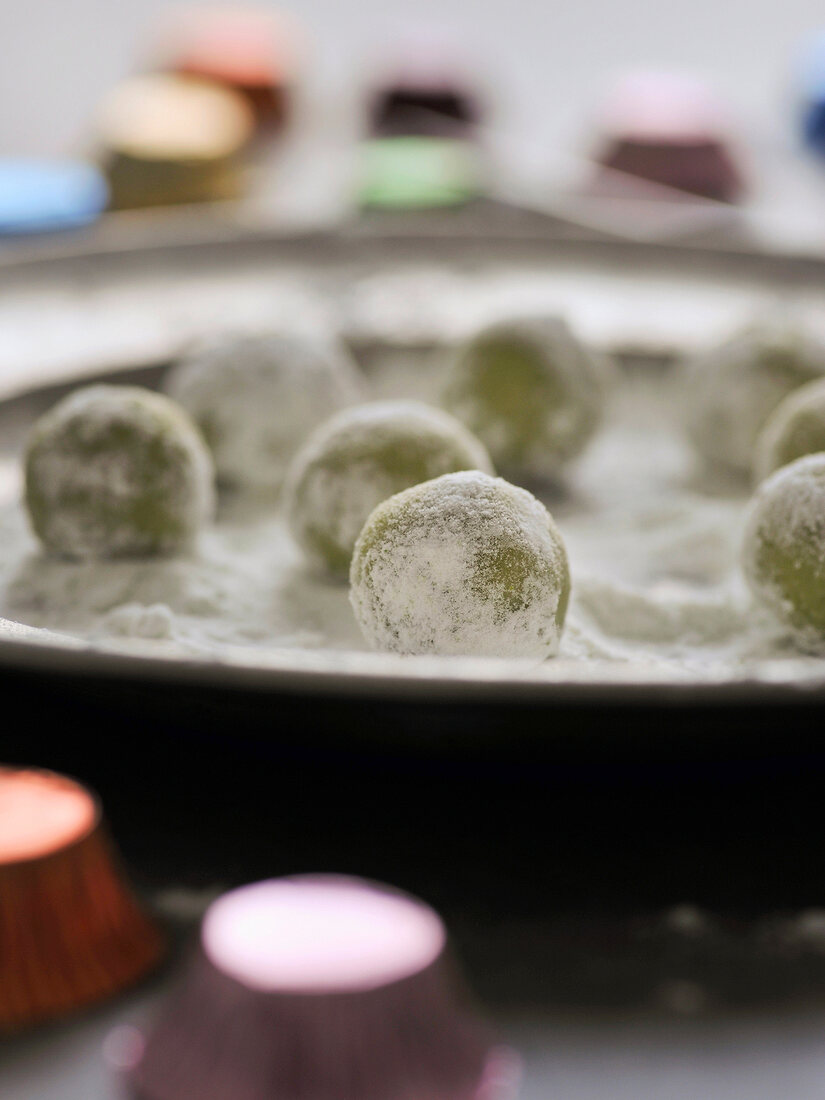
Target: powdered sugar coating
x=359, y=458
x=794, y=429
x=117, y=471
x=256, y=397
x=783, y=553
x=465, y=564
x=732, y=390
x=530, y=391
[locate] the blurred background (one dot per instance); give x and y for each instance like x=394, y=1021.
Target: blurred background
x=544, y=87
x=547, y=63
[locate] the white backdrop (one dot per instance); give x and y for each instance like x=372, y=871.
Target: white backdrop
x=547, y=60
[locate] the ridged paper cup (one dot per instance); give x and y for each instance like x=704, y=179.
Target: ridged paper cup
x=321, y=988
x=71, y=932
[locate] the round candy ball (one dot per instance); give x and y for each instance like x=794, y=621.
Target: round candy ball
x=360, y=457
x=731, y=391
x=257, y=397
x=783, y=553
x=117, y=471
x=794, y=429
x=530, y=391
x=466, y=564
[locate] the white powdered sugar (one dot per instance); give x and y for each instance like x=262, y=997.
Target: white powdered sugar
x=256, y=397
x=359, y=458
x=790, y=506
x=242, y=584
x=465, y=564
x=117, y=470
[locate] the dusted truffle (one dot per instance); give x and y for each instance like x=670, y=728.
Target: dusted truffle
x=362, y=456
x=466, y=564
x=731, y=391
x=257, y=397
x=116, y=471
x=783, y=553
x=530, y=391
x=794, y=429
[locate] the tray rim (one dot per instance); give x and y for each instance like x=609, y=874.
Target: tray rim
x=132, y=235
x=390, y=678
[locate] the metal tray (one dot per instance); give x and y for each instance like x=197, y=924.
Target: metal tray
x=120, y=302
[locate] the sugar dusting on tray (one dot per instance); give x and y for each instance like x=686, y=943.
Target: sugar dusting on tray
x=653, y=553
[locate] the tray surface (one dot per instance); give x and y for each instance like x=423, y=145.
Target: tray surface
x=658, y=606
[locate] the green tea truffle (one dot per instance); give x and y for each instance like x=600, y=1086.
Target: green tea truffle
x=531, y=392
x=117, y=471
x=732, y=390
x=466, y=565
x=360, y=457
x=794, y=429
x=256, y=397
x=783, y=553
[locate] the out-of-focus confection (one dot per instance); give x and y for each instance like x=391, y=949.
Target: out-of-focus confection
x=668, y=129
x=169, y=139
x=531, y=391
x=249, y=50
x=732, y=389
x=325, y=987
x=40, y=196
x=795, y=428
x=422, y=116
x=257, y=396
x=70, y=931
x=117, y=471
x=809, y=81
x=424, y=91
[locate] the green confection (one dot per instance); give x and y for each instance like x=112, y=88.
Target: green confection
x=530, y=391
x=117, y=471
x=794, y=429
x=462, y=565
x=257, y=396
x=360, y=457
x=732, y=390
x=783, y=553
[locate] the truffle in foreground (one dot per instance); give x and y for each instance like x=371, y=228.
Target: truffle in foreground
x=783, y=553
x=465, y=564
x=117, y=471
x=256, y=397
x=359, y=458
x=531, y=392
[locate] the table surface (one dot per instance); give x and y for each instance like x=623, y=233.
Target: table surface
x=581, y=1056
x=559, y=873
